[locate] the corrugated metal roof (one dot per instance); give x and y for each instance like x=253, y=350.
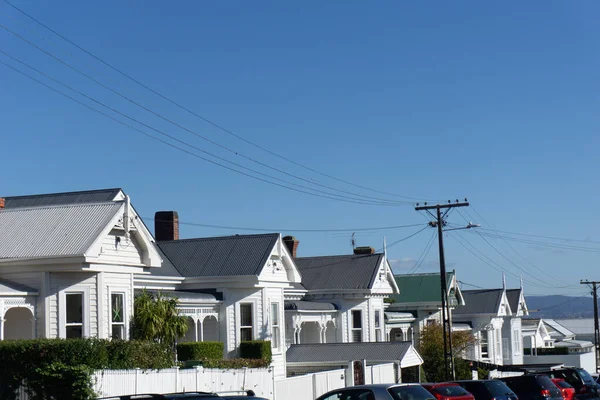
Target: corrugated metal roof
x=558, y=327
x=339, y=272
x=486, y=301
x=220, y=256
x=7, y=286
x=52, y=231
x=417, y=288
x=578, y=326
x=302, y=305
x=58, y=199
x=344, y=352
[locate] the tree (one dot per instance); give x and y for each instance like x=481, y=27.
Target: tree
x=431, y=348
x=156, y=318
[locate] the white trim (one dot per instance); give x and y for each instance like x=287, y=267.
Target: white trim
x=62, y=310
x=238, y=322
x=124, y=291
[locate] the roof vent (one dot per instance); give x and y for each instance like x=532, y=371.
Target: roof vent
x=364, y=250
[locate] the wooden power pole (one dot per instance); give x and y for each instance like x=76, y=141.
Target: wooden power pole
x=596, y=328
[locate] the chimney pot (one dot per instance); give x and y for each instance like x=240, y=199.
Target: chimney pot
x=364, y=250
x=1, y=202
x=292, y=244
x=166, y=225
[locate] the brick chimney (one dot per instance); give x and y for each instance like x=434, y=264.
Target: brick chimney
x=364, y=250
x=166, y=226
x=292, y=244
x=1, y=202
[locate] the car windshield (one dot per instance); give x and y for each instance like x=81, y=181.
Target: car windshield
x=497, y=388
x=563, y=384
x=546, y=383
x=450, y=391
x=587, y=378
x=409, y=392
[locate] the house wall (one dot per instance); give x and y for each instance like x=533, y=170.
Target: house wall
x=584, y=360
x=368, y=307
x=108, y=283
x=124, y=253
x=33, y=280
x=492, y=329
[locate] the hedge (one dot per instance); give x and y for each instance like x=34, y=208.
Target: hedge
x=37, y=361
x=236, y=363
x=550, y=351
x=200, y=351
x=256, y=349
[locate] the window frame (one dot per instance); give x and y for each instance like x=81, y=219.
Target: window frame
x=275, y=325
x=516, y=342
x=110, y=313
x=353, y=329
x=62, y=310
x=251, y=327
x=378, y=325
x=484, y=340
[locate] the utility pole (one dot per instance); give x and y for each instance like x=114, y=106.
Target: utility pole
x=446, y=323
x=596, y=328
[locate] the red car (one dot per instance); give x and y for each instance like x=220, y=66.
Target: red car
x=448, y=391
x=567, y=391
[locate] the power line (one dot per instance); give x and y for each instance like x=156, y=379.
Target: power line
x=468, y=284
x=542, y=236
x=91, y=78
x=327, y=195
x=405, y=238
x=238, y=228
x=543, y=244
x=560, y=304
x=423, y=255
x=201, y=117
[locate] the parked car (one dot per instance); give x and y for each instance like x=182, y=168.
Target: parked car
x=243, y=395
x=448, y=391
x=585, y=386
x=567, y=390
x=533, y=387
x=489, y=389
x=381, y=391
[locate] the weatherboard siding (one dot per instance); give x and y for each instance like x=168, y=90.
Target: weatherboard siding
x=113, y=283
x=127, y=252
x=71, y=282
x=35, y=281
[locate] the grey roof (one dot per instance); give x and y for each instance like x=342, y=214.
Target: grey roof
x=10, y=287
x=530, y=322
x=573, y=343
x=196, y=297
x=393, y=316
x=513, y=296
x=344, y=352
x=166, y=267
x=52, y=231
x=301, y=305
x=56, y=199
x=485, y=301
x=339, y=272
x=559, y=328
x=220, y=256
x=297, y=286
x=579, y=326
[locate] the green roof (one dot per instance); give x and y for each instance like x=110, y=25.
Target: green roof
x=416, y=288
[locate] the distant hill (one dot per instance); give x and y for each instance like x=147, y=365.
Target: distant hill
x=555, y=306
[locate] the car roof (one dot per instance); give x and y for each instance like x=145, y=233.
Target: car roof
x=380, y=386
x=438, y=384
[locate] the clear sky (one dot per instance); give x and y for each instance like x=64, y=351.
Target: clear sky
x=497, y=102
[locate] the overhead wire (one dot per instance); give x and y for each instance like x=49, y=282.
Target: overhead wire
x=322, y=194
x=423, y=255
x=312, y=181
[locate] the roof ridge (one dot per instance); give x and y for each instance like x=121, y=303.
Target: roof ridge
x=70, y=205
x=217, y=237
x=341, y=255
x=62, y=193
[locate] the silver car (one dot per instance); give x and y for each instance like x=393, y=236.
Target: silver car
x=380, y=391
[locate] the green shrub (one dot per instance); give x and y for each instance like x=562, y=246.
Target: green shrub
x=200, y=351
x=37, y=361
x=59, y=381
x=256, y=349
x=236, y=363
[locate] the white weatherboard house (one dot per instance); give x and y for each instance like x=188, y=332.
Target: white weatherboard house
x=70, y=264
x=67, y=263
x=495, y=318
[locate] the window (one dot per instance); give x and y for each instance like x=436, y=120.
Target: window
x=246, y=328
x=74, y=321
x=117, y=317
x=275, y=336
x=356, y=325
x=497, y=350
x=377, y=326
x=516, y=342
x=483, y=344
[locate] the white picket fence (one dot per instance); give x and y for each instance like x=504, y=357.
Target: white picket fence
x=118, y=382
x=311, y=386
x=382, y=373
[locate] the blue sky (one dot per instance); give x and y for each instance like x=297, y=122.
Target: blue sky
x=494, y=102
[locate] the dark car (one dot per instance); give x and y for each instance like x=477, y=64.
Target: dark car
x=379, y=391
x=533, y=387
x=248, y=395
x=488, y=389
x=585, y=386
x=448, y=391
